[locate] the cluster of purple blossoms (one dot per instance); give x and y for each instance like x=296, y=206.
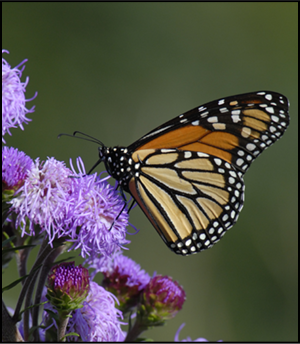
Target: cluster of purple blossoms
x=48, y=200
x=45, y=199
x=60, y=206
x=154, y=300
x=84, y=210
x=96, y=311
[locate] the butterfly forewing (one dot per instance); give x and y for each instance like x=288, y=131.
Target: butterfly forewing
x=236, y=128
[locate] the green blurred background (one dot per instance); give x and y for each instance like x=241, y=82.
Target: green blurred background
x=118, y=70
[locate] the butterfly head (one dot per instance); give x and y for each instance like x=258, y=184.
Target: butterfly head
x=117, y=163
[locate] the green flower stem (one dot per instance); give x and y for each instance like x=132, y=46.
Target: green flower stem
x=23, y=254
x=28, y=299
x=21, y=258
x=42, y=256
x=62, y=326
x=135, y=331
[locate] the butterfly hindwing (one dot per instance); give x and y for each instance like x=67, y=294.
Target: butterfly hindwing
x=191, y=198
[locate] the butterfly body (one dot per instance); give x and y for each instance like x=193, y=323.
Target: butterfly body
x=187, y=174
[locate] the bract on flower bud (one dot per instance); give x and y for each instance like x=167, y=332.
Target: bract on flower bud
x=68, y=287
x=161, y=300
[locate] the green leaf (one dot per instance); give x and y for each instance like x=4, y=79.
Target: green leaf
x=139, y=339
x=64, y=260
x=8, y=240
x=13, y=284
x=38, y=304
x=16, y=248
x=70, y=334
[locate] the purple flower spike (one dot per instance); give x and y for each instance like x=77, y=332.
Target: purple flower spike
x=13, y=97
x=161, y=300
x=123, y=277
x=43, y=198
x=98, y=210
x=68, y=286
x=98, y=320
x=15, y=167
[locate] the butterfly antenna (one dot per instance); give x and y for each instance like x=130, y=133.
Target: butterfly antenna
x=97, y=163
x=83, y=137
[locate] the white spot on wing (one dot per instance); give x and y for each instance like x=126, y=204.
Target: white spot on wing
x=268, y=96
x=235, y=118
x=222, y=110
x=213, y=119
x=218, y=161
x=188, y=242
x=164, y=150
x=204, y=114
x=202, y=155
x=156, y=132
x=275, y=118
x=239, y=162
x=270, y=109
x=250, y=146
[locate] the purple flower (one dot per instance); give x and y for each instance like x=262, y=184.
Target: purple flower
x=161, y=300
x=13, y=97
x=188, y=339
x=98, y=320
x=98, y=209
x=15, y=167
x=68, y=286
x=82, y=209
x=123, y=277
x=43, y=198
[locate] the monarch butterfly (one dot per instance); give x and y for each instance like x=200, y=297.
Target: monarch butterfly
x=187, y=174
